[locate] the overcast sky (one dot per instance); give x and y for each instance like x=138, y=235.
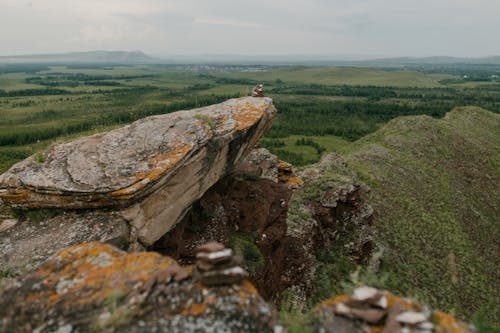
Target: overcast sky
x=253, y=27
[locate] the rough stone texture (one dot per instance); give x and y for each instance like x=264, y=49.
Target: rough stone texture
x=384, y=312
x=266, y=165
x=156, y=166
x=328, y=209
x=34, y=237
x=247, y=211
x=94, y=287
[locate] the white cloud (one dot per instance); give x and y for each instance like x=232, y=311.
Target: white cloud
x=226, y=22
x=390, y=27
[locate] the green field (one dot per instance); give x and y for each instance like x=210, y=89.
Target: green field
x=329, y=105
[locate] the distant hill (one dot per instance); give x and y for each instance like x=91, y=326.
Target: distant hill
x=436, y=200
x=405, y=61
x=138, y=57
x=100, y=57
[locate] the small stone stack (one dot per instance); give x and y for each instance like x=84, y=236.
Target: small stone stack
x=377, y=311
x=216, y=265
x=258, y=91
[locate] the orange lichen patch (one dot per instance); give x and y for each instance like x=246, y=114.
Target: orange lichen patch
x=334, y=301
x=160, y=164
x=90, y=272
x=294, y=182
x=195, y=309
x=247, y=116
x=448, y=324
x=34, y=297
x=282, y=165
x=250, y=287
x=406, y=304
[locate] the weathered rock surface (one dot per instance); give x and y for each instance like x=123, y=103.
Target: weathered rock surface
x=31, y=239
x=247, y=211
x=155, y=167
x=95, y=287
x=370, y=310
x=328, y=211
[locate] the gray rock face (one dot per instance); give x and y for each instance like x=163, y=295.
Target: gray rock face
x=154, y=168
x=27, y=243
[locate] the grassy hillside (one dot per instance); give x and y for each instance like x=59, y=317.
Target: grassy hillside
x=437, y=203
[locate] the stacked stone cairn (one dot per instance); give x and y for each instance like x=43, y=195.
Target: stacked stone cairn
x=258, y=91
x=217, y=266
x=382, y=312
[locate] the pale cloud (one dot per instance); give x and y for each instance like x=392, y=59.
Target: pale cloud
x=375, y=27
x=226, y=22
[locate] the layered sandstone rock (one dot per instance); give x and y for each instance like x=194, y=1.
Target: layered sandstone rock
x=154, y=168
x=94, y=287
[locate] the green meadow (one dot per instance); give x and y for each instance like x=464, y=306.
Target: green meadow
x=332, y=106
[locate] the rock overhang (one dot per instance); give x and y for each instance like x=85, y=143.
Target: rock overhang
x=120, y=167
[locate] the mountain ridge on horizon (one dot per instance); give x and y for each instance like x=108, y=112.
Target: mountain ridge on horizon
x=139, y=57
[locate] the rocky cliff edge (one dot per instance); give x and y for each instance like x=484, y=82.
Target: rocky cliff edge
x=154, y=167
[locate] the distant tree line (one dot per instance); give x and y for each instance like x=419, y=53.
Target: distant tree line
x=33, y=134
x=310, y=142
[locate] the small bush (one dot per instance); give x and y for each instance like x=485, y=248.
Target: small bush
x=244, y=246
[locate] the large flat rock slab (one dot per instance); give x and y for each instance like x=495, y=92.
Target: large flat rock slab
x=154, y=168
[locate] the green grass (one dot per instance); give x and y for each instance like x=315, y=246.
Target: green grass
x=306, y=154
x=15, y=81
x=345, y=75
x=435, y=194
x=244, y=246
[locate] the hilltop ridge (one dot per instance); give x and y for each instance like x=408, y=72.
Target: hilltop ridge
x=434, y=190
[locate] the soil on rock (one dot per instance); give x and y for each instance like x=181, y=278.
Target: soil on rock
x=248, y=213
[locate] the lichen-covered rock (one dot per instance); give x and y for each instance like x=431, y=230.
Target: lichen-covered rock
x=266, y=165
x=156, y=166
x=372, y=311
x=96, y=287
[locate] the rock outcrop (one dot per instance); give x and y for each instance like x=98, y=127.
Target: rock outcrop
x=369, y=310
x=247, y=211
x=32, y=238
x=94, y=287
x=152, y=169
x=328, y=214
